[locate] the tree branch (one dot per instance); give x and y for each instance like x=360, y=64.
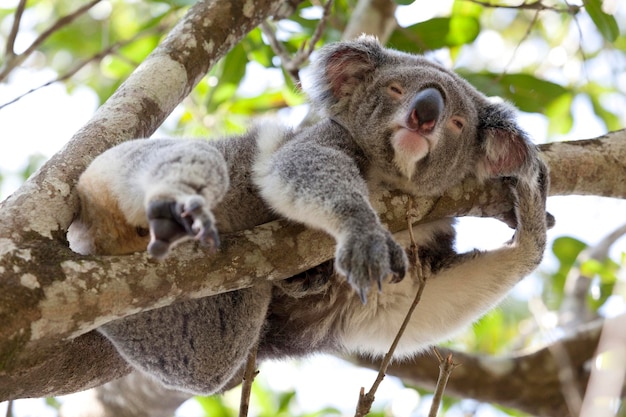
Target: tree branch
x=49, y=294
x=51, y=297
x=35, y=218
x=588, y=167
x=81, y=64
x=373, y=17
x=136, y=109
x=15, y=60
x=9, y=49
x=532, y=5
x=528, y=381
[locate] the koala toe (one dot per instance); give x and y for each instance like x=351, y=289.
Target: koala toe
x=397, y=259
x=172, y=221
x=368, y=257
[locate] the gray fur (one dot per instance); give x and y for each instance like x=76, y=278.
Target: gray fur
x=388, y=118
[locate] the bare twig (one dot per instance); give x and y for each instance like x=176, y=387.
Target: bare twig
x=15, y=60
x=9, y=49
x=574, y=309
x=9, y=412
x=292, y=64
x=580, y=45
x=366, y=400
x=248, y=378
x=566, y=374
x=446, y=366
x=81, y=64
x=533, y=5
x=526, y=35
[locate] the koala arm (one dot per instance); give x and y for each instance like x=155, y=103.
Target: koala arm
x=315, y=179
x=459, y=289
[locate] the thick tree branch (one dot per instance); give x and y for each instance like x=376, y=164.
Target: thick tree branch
x=49, y=294
x=588, y=167
x=528, y=382
x=136, y=109
x=35, y=217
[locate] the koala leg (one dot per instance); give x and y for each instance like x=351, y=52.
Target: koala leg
x=159, y=187
x=195, y=345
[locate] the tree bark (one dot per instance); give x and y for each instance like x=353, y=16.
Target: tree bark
x=530, y=382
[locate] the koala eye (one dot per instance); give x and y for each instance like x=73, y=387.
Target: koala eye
x=142, y=231
x=395, y=90
x=458, y=122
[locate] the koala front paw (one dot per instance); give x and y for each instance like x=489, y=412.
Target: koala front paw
x=368, y=257
x=173, y=221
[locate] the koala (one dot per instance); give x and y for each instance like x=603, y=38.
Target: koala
x=387, y=119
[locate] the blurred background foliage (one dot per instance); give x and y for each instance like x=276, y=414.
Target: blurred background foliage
x=540, y=56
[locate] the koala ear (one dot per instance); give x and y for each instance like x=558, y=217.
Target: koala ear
x=505, y=148
x=340, y=67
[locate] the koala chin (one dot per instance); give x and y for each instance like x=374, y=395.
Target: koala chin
x=386, y=117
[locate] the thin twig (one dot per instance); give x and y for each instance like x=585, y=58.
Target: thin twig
x=519, y=44
x=248, y=378
x=567, y=372
x=94, y=58
x=446, y=366
x=365, y=402
x=9, y=412
x=292, y=64
x=60, y=23
x=535, y=5
x=9, y=49
x=580, y=45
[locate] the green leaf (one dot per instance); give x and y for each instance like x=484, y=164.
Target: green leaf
x=527, y=92
x=606, y=23
x=214, y=407
x=605, y=270
x=494, y=331
x=34, y=162
x=436, y=33
x=234, y=66
x=559, y=114
x=610, y=119
x=403, y=2
x=566, y=249
x=467, y=8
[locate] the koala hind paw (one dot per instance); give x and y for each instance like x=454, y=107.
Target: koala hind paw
x=175, y=220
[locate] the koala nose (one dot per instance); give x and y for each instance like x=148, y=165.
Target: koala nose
x=427, y=107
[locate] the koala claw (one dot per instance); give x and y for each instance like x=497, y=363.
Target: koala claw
x=173, y=221
x=365, y=258
x=199, y=222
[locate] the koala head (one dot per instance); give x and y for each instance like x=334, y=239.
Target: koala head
x=422, y=127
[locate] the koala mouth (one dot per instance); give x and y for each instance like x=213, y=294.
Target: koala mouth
x=409, y=146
